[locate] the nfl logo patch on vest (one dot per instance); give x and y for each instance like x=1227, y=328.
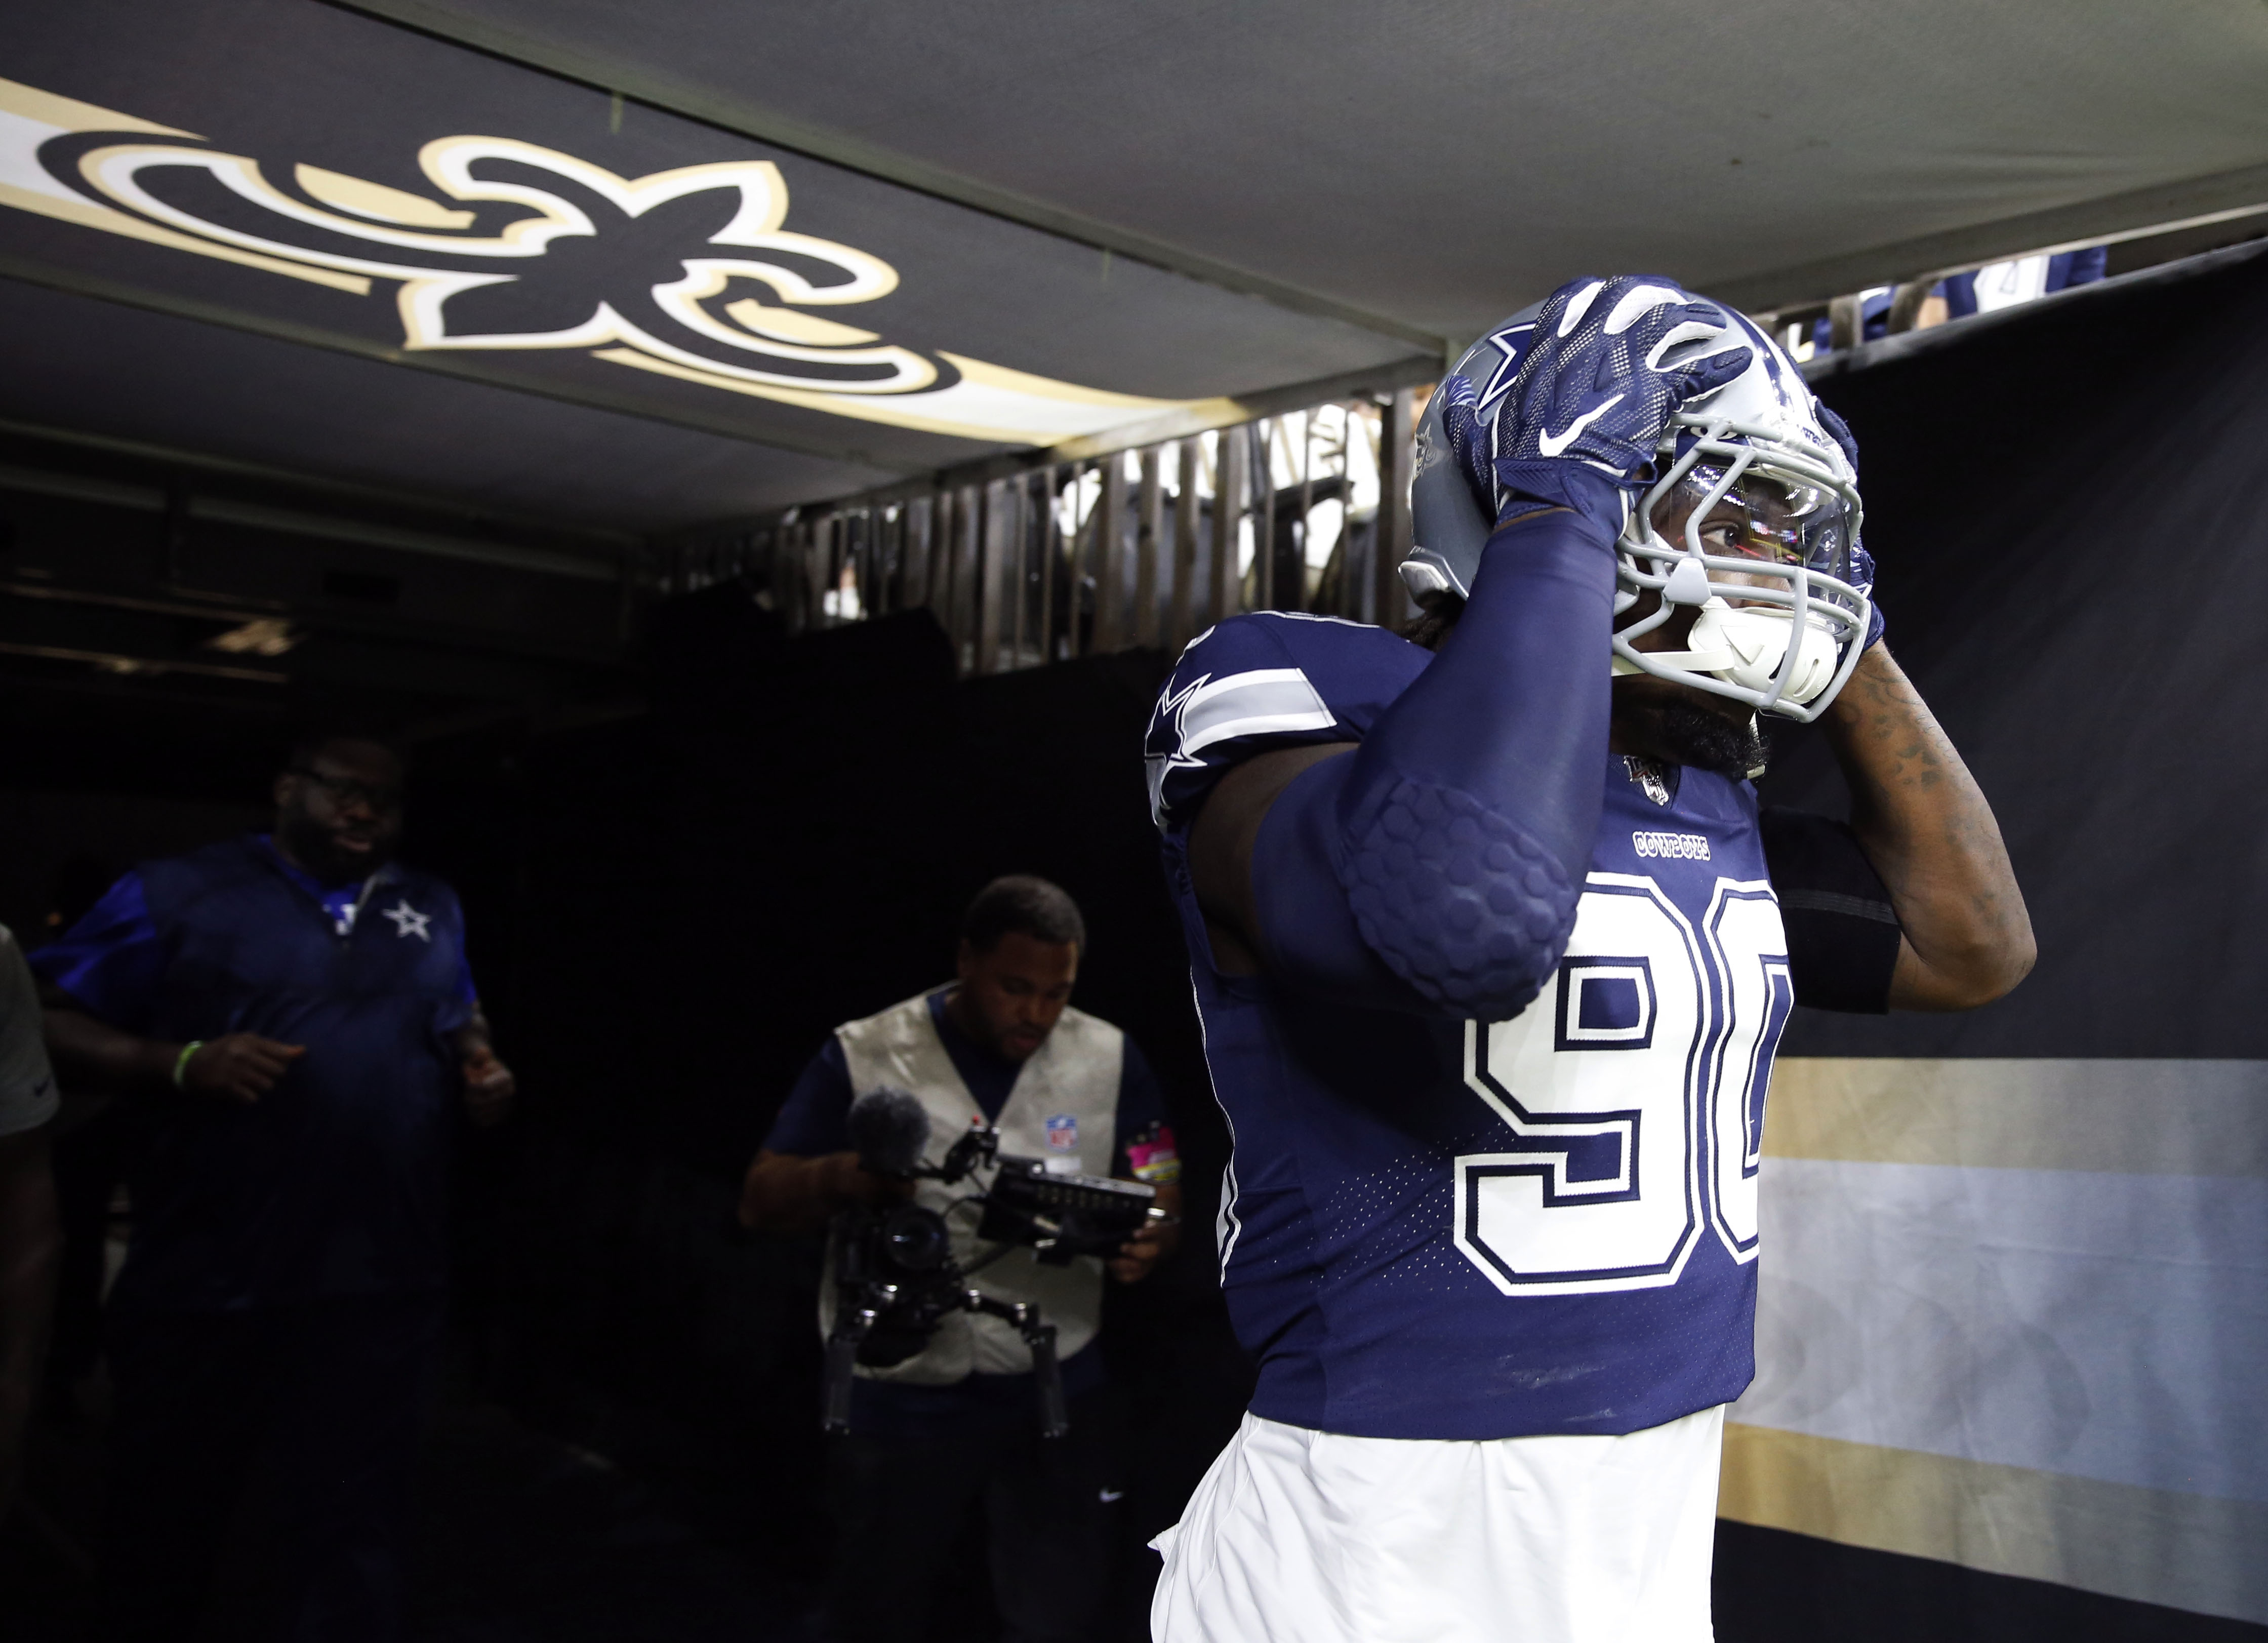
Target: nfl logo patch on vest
x=1063, y=1133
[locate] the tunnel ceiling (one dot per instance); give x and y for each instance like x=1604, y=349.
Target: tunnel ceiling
x=285, y=231
x=1436, y=163
x=632, y=268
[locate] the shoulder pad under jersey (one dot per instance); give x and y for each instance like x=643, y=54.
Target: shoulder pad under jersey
x=1271, y=679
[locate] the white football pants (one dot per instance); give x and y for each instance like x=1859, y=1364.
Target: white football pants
x=1301, y=1536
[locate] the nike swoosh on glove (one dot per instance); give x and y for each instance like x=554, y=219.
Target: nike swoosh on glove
x=1593, y=388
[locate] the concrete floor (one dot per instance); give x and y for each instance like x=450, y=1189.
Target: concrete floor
x=524, y=1539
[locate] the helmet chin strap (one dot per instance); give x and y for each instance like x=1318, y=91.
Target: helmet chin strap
x=1745, y=647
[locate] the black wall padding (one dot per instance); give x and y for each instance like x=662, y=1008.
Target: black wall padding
x=2069, y=505
x=701, y=895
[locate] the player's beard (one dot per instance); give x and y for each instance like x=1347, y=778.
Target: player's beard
x=1681, y=725
x=1691, y=734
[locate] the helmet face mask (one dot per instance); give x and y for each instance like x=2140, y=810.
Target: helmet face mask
x=1751, y=524
x=1714, y=512
x=1741, y=546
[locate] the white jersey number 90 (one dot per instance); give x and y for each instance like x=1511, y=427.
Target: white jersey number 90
x=1633, y=1089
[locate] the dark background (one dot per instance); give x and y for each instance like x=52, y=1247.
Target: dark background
x=695, y=900
x=2070, y=507
x=671, y=907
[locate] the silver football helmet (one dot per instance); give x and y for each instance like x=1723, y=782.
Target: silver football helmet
x=1749, y=527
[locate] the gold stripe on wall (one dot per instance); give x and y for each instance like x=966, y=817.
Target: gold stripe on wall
x=2184, y=1551
x=2125, y=1117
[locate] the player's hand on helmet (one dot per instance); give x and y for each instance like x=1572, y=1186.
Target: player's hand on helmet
x=1840, y=430
x=1862, y=563
x=1469, y=440
x=1862, y=577
x=1593, y=387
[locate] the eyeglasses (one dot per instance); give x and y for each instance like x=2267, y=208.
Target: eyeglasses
x=346, y=790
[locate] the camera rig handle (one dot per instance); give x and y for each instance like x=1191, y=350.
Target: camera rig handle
x=971, y=1153
x=853, y=1324
x=1047, y=1373
x=851, y=1327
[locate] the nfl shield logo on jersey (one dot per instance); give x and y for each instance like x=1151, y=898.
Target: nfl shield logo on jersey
x=1063, y=1133
x=1652, y=779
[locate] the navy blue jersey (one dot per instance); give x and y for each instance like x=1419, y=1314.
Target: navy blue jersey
x=1435, y=1228
x=331, y=1183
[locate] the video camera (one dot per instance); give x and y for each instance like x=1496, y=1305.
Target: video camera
x=896, y=1276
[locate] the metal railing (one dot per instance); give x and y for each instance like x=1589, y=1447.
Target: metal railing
x=1045, y=560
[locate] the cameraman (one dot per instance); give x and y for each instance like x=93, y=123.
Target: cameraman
x=954, y=1429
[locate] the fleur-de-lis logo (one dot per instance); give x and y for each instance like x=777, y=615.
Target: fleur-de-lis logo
x=522, y=247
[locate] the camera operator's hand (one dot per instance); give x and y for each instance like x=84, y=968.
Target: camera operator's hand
x=490, y=1088
x=1154, y=1243
x=786, y=1194
x=844, y=1184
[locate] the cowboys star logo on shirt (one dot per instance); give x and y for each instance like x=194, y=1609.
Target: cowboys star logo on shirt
x=1063, y=1133
x=408, y=921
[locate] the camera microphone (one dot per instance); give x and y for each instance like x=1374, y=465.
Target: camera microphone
x=890, y=1130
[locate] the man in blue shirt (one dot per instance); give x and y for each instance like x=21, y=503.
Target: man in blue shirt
x=295, y=1010
x=952, y=1429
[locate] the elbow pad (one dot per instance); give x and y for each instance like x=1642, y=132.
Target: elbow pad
x=1461, y=902
x=1438, y=867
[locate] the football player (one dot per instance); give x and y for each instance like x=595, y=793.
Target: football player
x=1492, y=948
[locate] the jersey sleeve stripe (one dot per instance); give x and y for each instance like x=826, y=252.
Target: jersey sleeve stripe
x=1267, y=702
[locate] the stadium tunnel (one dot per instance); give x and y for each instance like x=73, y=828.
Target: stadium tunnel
x=761, y=461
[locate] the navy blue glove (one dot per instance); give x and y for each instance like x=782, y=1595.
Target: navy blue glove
x=1439, y=868
x=1593, y=391
x=1468, y=440
x=1862, y=563
x=1840, y=430
x=1862, y=577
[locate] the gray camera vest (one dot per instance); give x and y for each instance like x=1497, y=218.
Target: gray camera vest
x=1065, y=1105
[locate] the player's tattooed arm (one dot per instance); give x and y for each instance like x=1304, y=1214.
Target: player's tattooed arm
x=1926, y=828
